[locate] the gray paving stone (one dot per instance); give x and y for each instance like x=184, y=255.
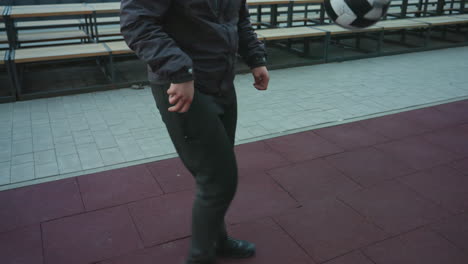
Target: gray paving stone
x=89, y=155
x=43, y=157
x=36, y=122
x=65, y=149
x=22, y=146
x=98, y=127
x=22, y=172
x=21, y=159
x=119, y=130
x=5, y=168
x=46, y=170
x=69, y=163
x=104, y=139
x=57, y=115
x=132, y=153
x=5, y=156
x=63, y=140
x=40, y=145
x=111, y=156
x=21, y=135
x=84, y=140
x=77, y=124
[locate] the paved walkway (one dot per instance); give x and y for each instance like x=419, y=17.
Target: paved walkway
x=55, y=138
x=387, y=190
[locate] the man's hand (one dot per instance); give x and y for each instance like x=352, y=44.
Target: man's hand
x=180, y=96
x=261, y=78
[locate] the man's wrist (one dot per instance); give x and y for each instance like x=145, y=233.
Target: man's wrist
x=182, y=76
x=257, y=61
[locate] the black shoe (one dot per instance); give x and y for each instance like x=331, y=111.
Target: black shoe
x=234, y=248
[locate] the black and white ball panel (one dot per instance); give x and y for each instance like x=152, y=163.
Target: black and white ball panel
x=356, y=13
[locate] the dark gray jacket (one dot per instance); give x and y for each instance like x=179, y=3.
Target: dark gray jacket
x=183, y=40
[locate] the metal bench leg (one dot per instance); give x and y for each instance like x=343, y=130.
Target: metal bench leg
x=306, y=46
x=380, y=42
x=290, y=14
x=112, y=68
x=274, y=16
x=95, y=27
x=17, y=79
x=259, y=16
x=11, y=78
x=358, y=41
x=326, y=44
x=427, y=38
x=322, y=13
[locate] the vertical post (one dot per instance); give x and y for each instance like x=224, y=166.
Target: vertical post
x=10, y=74
x=462, y=6
x=95, y=26
x=274, y=15
x=290, y=13
x=440, y=7
x=380, y=42
x=426, y=3
x=15, y=75
x=259, y=16
x=427, y=37
x=10, y=29
x=326, y=45
x=404, y=8
x=322, y=13
x=306, y=49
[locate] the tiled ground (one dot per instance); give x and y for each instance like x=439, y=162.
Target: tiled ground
x=393, y=190
x=54, y=138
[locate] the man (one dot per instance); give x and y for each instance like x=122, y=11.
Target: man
x=190, y=47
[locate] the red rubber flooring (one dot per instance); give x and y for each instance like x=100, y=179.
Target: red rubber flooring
x=389, y=190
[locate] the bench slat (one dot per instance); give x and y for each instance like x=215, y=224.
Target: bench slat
x=104, y=20
x=287, y=33
x=102, y=8
x=53, y=35
x=440, y=20
x=118, y=47
x=2, y=57
x=396, y=24
x=3, y=38
x=337, y=30
x=45, y=23
x=60, y=52
x=49, y=10
x=109, y=31
x=267, y=2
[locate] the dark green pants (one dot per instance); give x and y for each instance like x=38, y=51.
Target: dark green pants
x=204, y=139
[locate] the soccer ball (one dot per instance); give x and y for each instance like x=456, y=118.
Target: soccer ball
x=356, y=14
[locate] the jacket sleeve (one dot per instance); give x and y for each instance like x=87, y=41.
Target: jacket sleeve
x=250, y=48
x=141, y=26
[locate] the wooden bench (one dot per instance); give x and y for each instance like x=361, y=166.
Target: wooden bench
x=59, y=52
x=25, y=56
